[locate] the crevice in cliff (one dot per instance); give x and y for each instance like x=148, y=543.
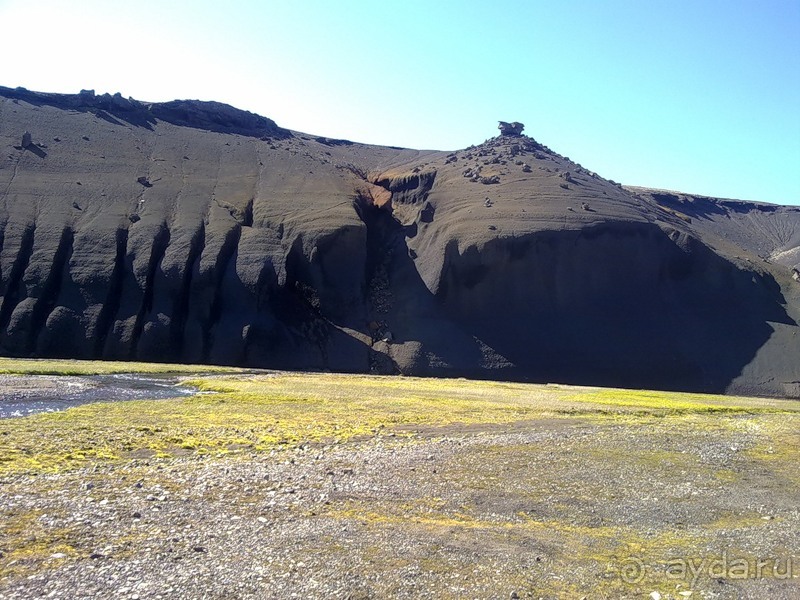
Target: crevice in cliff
x=383, y=234
x=51, y=288
x=159, y=247
x=108, y=312
x=247, y=215
x=381, y=228
x=226, y=253
x=11, y=296
x=180, y=308
x=411, y=188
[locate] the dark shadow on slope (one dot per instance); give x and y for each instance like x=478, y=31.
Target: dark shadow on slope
x=101, y=114
x=34, y=149
x=617, y=305
x=105, y=320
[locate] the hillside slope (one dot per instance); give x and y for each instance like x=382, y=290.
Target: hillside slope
x=192, y=231
x=770, y=231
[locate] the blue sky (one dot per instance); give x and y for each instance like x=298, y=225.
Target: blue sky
x=700, y=96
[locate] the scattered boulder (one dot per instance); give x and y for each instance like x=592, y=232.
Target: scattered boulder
x=490, y=180
x=795, y=274
x=514, y=128
x=379, y=331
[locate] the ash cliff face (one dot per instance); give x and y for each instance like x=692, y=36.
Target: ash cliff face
x=193, y=232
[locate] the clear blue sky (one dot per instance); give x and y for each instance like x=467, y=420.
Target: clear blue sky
x=700, y=96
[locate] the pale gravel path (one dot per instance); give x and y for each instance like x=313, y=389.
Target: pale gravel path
x=312, y=522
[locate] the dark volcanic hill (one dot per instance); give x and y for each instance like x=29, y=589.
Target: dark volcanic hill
x=195, y=232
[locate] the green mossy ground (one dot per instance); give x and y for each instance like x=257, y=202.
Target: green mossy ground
x=262, y=412
x=37, y=366
x=554, y=498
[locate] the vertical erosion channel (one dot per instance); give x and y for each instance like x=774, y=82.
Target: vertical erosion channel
x=11, y=296
x=383, y=235
x=157, y=251
x=112, y=302
x=51, y=289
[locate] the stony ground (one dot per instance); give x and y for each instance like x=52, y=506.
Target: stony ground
x=620, y=500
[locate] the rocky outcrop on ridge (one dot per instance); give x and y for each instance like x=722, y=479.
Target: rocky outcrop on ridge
x=514, y=128
x=210, y=116
x=191, y=231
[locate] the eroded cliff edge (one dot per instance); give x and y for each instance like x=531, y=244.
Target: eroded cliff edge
x=194, y=232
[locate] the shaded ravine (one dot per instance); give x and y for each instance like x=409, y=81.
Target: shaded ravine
x=23, y=395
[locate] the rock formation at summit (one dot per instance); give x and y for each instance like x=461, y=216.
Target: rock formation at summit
x=514, y=128
x=192, y=231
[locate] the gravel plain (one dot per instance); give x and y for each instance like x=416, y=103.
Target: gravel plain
x=565, y=506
